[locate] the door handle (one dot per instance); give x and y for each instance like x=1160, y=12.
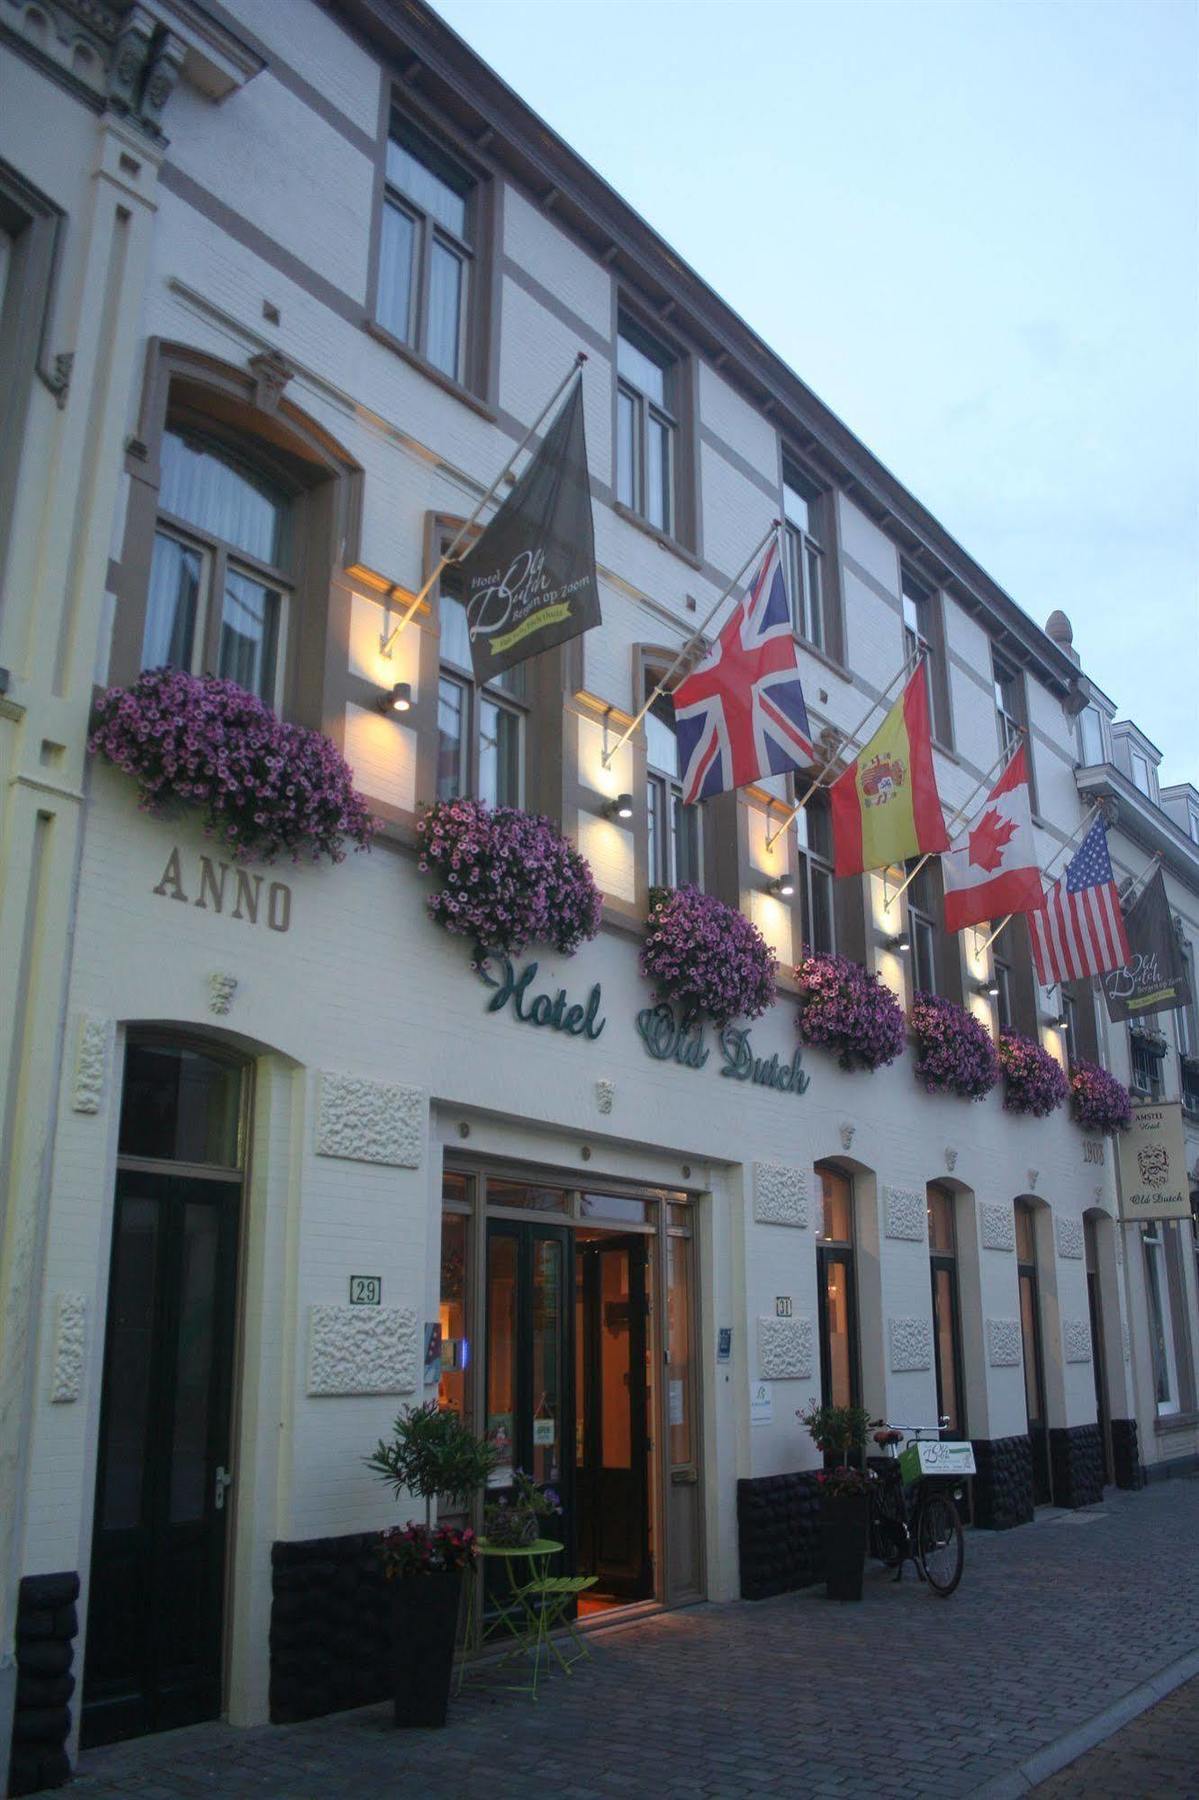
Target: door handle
x=224, y=1480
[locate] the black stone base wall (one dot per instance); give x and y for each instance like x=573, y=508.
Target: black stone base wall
x=778, y=1534
x=1126, y=1456
x=1003, y=1492
x=47, y=1625
x=330, y=1627
x=1076, y=1464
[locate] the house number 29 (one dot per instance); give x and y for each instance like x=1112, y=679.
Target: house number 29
x=366, y=1290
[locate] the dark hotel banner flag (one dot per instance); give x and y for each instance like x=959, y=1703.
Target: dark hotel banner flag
x=1155, y=978
x=529, y=582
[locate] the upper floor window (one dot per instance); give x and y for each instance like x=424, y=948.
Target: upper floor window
x=1090, y=736
x=1193, y=823
x=480, y=731
x=922, y=926
x=674, y=842
x=1009, y=708
x=814, y=843
x=219, y=587
x=1003, y=994
x=1142, y=773
x=1146, y=1061
x=425, y=250
x=646, y=427
x=805, y=557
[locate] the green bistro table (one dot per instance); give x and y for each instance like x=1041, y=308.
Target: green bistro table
x=534, y=1605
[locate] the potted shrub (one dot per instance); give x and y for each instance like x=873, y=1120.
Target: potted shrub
x=263, y=788
x=706, y=958
x=956, y=1054
x=1098, y=1101
x=509, y=879
x=433, y=1455
x=838, y=1431
x=520, y=1516
x=845, y=1009
x=1033, y=1081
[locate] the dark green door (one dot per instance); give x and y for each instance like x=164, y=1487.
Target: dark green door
x=529, y=1333
x=612, y=1495
x=155, y=1602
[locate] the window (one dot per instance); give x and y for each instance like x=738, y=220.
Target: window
x=1009, y=708
x=425, y=250
x=805, y=557
x=219, y=589
x=1070, y=1024
x=917, y=626
x=1142, y=774
x=835, y=1292
x=935, y=953
x=1193, y=823
x=454, y=1389
x=947, y=1329
x=480, y=731
x=1003, y=997
x=674, y=841
x=1090, y=736
x=1146, y=1059
x=814, y=842
x=1028, y=1287
x=1172, y=1376
x=646, y=427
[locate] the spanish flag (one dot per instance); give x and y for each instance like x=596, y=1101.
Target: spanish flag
x=885, y=805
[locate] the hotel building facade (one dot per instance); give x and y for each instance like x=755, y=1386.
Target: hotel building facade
x=283, y=289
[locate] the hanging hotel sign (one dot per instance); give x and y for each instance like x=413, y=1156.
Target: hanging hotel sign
x=669, y=1038
x=1155, y=978
x=1152, y=1163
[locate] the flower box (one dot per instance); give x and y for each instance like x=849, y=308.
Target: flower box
x=1098, y=1101
x=1034, y=1082
x=706, y=958
x=956, y=1053
x=845, y=1009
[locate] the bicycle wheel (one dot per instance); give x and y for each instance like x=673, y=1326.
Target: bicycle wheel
x=939, y=1544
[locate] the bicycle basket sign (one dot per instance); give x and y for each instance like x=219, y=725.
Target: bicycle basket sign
x=932, y=1458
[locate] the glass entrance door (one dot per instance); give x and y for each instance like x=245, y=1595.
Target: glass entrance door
x=1034, y=1365
x=612, y=1433
x=529, y=1407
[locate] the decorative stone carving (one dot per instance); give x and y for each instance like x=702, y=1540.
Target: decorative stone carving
x=165, y=65
x=70, y=1321
x=1069, y=1236
x=785, y=1349
x=911, y=1344
x=221, y=989
x=91, y=1063
x=605, y=1094
x=1076, y=1335
x=362, y=1350
x=998, y=1221
x=906, y=1213
x=846, y=1130
x=1004, y=1349
x=951, y=1159
x=370, y=1121
x=271, y=373
x=780, y=1194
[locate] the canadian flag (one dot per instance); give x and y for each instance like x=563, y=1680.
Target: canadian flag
x=991, y=868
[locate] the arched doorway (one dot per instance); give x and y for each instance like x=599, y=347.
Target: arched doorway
x=1034, y=1353
x=159, y=1544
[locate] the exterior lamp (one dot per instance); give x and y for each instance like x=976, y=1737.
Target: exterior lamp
x=782, y=886
x=397, y=700
x=900, y=942
x=620, y=808
x=990, y=988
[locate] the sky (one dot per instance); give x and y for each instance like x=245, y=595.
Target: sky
x=972, y=228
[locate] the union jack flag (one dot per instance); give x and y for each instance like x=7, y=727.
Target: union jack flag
x=741, y=713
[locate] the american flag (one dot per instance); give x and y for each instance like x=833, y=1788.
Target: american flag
x=741, y=713
x=1079, y=931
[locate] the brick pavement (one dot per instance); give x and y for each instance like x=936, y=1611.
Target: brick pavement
x=1156, y=1754
x=905, y=1695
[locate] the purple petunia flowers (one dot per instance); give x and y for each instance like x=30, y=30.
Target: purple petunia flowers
x=849, y=1011
x=706, y=958
x=1033, y=1080
x=509, y=878
x=956, y=1054
x=1098, y=1101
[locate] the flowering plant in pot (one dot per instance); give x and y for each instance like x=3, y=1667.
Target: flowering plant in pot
x=845, y=1009
x=1098, y=1101
x=509, y=878
x=520, y=1517
x=433, y=1455
x=839, y=1431
x=1034, y=1082
x=956, y=1054
x=264, y=788
x=706, y=958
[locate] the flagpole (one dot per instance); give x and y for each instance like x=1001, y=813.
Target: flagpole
x=850, y=737
x=625, y=735
x=1004, y=756
x=387, y=639
x=1088, y=821
x=1141, y=883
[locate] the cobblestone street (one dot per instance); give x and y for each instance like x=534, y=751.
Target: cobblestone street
x=1053, y=1625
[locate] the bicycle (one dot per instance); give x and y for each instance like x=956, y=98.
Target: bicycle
x=913, y=1503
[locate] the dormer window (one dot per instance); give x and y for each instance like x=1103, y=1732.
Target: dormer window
x=1090, y=737
x=1142, y=773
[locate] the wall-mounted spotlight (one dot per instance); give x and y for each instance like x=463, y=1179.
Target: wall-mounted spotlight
x=1062, y=1022
x=900, y=942
x=620, y=808
x=989, y=988
x=782, y=886
x=397, y=699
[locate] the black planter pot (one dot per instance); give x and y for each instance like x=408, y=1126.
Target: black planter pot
x=424, y=1626
x=843, y=1520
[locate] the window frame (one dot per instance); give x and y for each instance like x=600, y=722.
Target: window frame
x=945, y=1261
x=804, y=549
x=1144, y=1056
x=36, y=226
x=663, y=795
x=1100, y=726
x=475, y=696
x=1159, y=1314
x=647, y=411
x=810, y=866
x=429, y=231
x=926, y=628
x=1007, y=688
x=841, y=1253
